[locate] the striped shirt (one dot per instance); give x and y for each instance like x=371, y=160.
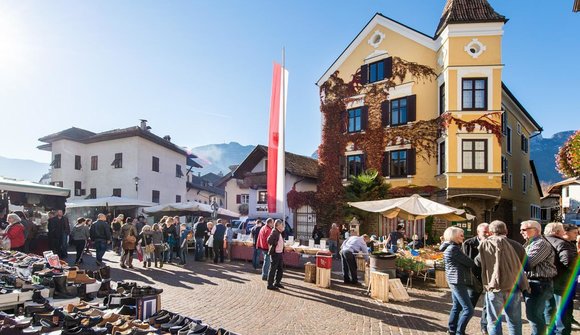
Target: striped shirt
x=540, y=259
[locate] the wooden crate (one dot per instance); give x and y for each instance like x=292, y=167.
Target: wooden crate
x=323, y=277
x=310, y=272
x=397, y=290
x=440, y=280
x=380, y=286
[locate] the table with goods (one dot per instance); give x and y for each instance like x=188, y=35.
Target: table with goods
x=43, y=295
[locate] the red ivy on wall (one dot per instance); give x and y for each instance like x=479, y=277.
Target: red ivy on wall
x=297, y=199
x=422, y=135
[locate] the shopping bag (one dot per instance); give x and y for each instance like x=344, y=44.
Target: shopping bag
x=139, y=253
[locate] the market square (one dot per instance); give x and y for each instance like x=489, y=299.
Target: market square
x=428, y=183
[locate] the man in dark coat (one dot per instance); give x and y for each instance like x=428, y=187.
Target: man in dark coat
x=58, y=231
x=471, y=249
x=565, y=261
x=218, y=232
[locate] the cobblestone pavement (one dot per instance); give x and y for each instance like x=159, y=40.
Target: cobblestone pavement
x=233, y=296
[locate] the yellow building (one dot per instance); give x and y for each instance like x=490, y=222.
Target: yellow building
x=490, y=175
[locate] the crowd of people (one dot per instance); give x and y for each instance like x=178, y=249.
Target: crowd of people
x=541, y=273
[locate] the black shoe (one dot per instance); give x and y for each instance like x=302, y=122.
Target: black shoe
x=274, y=288
x=127, y=310
x=197, y=329
x=177, y=319
x=38, y=298
x=279, y=285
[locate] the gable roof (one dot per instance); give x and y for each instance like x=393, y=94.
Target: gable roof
x=199, y=183
x=557, y=187
x=85, y=136
x=295, y=164
x=467, y=11
x=387, y=22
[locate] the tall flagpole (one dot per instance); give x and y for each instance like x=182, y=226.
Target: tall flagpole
x=284, y=136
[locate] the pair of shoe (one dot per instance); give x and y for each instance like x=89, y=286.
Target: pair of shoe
x=275, y=287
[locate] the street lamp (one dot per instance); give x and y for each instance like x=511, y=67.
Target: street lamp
x=136, y=179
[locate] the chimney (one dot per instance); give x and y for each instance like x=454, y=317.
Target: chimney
x=167, y=138
x=144, y=125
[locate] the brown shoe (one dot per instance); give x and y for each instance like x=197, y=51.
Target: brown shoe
x=72, y=273
x=109, y=318
x=83, y=278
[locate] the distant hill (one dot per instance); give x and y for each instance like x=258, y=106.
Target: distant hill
x=218, y=158
x=24, y=169
x=542, y=152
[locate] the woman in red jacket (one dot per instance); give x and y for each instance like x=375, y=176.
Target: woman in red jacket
x=14, y=232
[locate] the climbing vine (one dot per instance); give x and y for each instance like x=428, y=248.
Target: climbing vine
x=336, y=94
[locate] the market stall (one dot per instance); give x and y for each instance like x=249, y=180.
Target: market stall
x=411, y=262
x=89, y=208
x=295, y=255
x=35, y=200
x=190, y=208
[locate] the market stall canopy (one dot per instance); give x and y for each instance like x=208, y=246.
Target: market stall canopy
x=189, y=207
x=109, y=202
x=412, y=208
x=23, y=186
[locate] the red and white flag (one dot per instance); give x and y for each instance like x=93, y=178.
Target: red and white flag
x=276, y=150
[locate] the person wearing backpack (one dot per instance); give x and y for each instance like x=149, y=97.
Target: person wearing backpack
x=200, y=230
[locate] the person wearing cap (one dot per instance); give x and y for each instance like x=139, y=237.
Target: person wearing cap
x=14, y=232
x=540, y=270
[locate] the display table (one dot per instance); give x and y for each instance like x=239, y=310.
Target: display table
x=246, y=253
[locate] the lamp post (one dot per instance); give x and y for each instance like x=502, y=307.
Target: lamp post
x=136, y=179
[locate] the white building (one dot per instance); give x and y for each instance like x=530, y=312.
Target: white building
x=130, y=162
x=204, y=189
x=247, y=185
x=569, y=192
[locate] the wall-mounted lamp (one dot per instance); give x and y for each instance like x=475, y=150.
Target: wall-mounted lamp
x=136, y=179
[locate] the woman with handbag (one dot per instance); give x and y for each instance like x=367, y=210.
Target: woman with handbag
x=80, y=236
x=146, y=238
x=13, y=236
x=129, y=244
x=458, y=273
x=157, y=240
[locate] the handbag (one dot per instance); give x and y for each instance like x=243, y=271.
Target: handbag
x=149, y=248
x=5, y=243
x=209, y=242
x=139, y=253
x=129, y=242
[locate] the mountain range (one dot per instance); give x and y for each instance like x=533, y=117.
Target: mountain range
x=218, y=158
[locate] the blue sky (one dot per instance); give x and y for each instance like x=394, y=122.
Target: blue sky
x=200, y=71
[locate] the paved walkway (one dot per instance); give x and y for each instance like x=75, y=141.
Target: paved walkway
x=233, y=296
